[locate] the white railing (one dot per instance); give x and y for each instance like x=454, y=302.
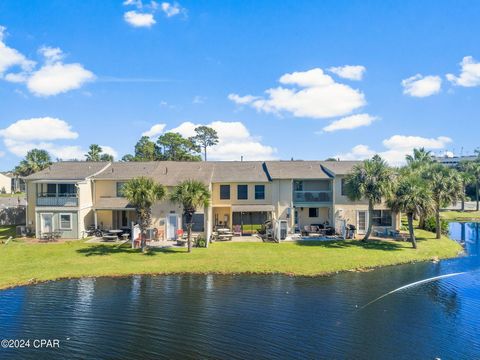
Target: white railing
x=57, y=201
x=312, y=196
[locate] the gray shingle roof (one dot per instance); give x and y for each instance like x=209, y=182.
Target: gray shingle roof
x=239, y=171
x=69, y=170
x=171, y=173
x=340, y=167
x=127, y=170
x=296, y=170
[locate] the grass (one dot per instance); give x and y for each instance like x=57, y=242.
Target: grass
x=21, y=195
x=25, y=263
x=460, y=215
x=6, y=232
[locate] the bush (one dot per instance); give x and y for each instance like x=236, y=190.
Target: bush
x=201, y=242
x=430, y=225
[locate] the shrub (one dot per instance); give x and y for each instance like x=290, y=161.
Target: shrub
x=430, y=225
x=201, y=242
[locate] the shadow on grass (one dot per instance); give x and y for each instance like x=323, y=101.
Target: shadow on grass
x=345, y=244
x=103, y=250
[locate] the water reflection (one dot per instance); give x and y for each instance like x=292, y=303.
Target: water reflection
x=240, y=317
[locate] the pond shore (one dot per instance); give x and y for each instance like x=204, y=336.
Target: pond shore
x=461, y=216
x=27, y=263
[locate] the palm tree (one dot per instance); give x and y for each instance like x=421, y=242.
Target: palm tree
x=191, y=194
x=94, y=153
x=412, y=197
x=420, y=158
x=446, y=187
x=35, y=160
x=142, y=193
x=372, y=180
x=475, y=172
x=467, y=174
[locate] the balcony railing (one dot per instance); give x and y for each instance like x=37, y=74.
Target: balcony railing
x=312, y=196
x=61, y=200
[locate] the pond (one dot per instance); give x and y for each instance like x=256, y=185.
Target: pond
x=261, y=317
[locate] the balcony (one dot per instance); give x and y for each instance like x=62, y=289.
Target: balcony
x=60, y=200
x=322, y=196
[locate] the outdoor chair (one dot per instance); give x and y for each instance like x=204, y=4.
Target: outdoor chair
x=237, y=230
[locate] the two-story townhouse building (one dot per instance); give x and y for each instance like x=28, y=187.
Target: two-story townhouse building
x=72, y=196
x=60, y=198
x=242, y=196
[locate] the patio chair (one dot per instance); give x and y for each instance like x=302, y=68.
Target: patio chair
x=237, y=230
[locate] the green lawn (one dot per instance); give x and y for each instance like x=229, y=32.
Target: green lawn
x=23, y=263
x=21, y=195
x=6, y=232
x=460, y=216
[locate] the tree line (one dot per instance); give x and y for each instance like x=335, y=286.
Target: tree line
x=169, y=146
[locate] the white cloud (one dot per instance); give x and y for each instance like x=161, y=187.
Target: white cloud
x=242, y=100
x=171, y=9
x=45, y=128
x=155, y=130
x=2, y=153
x=198, y=99
x=234, y=141
x=396, y=148
x=422, y=86
x=42, y=133
x=350, y=72
x=107, y=150
x=138, y=19
x=53, y=78
x=469, y=75
x=350, y=122
x=10, y=57
x=57, y=78
x=316, y=95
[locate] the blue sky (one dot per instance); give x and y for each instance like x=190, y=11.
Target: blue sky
x=270, y=76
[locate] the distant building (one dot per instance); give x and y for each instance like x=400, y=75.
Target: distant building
x=5, y=183
x=453, y=161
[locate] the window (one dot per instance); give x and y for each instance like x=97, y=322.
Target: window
x=120, y=185
x=242, y=192
x=66, y=221
x=51, y=190
x=259, y=192
x=343, y=190
x=224, y=192
x=298, y=185
x=382, y=218
x=66, y=189
x=313, y=212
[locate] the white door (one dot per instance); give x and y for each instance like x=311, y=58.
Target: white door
x=172, y=226
x=46, y=223
x=362, y=224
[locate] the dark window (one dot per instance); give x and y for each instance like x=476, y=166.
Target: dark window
x=298, y=185
x=224, y=192
x=66, y=189
x=51, y=190
x=382, y=218
x=312, y=212
x=343, y=191
x=120, y=185
x=259, y=192
x=242, y=192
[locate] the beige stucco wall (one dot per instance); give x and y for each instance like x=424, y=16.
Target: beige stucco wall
x=233, y=194
x=282, y=200
x=5, y=183
x=349, y=213
x=305, y=219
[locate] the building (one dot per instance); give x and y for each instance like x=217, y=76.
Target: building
x=454, y=161
x=5, y=183
x=70, y=197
